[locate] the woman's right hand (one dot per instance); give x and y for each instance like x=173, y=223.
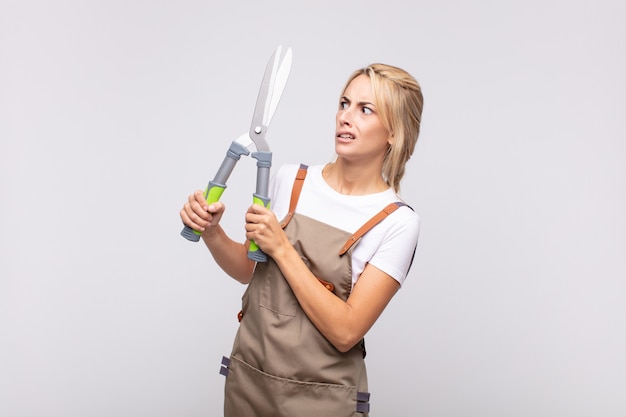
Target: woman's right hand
x=198, y=214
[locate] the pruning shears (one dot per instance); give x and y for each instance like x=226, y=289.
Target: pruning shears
x=272, y=86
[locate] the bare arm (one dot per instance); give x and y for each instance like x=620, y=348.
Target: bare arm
x=230, y=255
x=343, y=323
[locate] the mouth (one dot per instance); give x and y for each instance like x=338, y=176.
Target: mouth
x=345, y=136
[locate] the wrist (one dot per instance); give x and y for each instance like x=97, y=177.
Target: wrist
x=211, y=233
x=283, y=251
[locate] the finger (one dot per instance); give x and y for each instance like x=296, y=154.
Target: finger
x=198, y=207
x=190, y=219
x=216, y=207
x=257, y=209
x=254, y=232
x=198, y=196
x=197, y=213
x=257, y=219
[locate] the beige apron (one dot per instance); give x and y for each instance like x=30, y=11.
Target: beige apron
x=281, y=365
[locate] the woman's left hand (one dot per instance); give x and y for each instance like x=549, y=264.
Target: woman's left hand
x=262, y=226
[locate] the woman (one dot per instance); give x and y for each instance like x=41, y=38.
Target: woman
x=342, y=249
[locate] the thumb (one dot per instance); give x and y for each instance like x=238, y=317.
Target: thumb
x=215, y=207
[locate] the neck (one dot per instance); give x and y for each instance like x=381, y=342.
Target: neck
x=354, y=179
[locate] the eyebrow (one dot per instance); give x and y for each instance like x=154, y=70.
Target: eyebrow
x=360, y=103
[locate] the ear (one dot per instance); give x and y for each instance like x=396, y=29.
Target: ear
x=391, y=139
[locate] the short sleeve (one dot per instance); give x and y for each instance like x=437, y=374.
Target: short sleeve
x=395, y=254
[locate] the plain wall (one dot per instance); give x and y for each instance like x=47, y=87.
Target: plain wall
x=112, y=112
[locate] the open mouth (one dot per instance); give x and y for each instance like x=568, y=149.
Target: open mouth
x=346, y=136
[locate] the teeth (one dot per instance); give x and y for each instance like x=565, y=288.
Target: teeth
x=346, y=136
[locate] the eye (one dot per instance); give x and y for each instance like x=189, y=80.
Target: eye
x=343, y=104
x=367, y=110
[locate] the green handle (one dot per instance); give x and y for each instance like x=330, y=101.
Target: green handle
x=212, y=193
x=216, y=187
x=254, y=252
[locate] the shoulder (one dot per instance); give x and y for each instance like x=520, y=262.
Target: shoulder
x=406, y=218
x=393, y=242
x=402, y=227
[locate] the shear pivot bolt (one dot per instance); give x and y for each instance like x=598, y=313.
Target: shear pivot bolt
x=257, y=129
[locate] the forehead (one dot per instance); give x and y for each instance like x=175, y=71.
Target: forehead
x=360, y=89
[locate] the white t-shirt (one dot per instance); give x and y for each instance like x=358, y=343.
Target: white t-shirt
x=389, y=245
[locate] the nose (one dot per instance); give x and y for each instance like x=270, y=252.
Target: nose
x=344, y=117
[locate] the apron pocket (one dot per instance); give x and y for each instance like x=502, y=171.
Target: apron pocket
x=251, y=392
x=276, y=294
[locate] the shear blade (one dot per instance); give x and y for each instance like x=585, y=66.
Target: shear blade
x=281, y=74
x=245, y=140
x=272, y=86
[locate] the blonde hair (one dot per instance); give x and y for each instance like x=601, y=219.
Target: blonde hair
x=399, y=103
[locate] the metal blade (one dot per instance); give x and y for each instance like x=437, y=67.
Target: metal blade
x=279, y=85
x=262, y=99
x=277, y=69
x=245, y=141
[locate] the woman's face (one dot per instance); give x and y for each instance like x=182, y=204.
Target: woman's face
x=359, y=131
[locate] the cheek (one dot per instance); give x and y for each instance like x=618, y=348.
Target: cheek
x=382, y=134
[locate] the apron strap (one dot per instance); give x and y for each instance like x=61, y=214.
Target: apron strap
x=295, y=194
x=371, y=223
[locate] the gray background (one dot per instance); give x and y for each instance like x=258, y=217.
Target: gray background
x=112, y=112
